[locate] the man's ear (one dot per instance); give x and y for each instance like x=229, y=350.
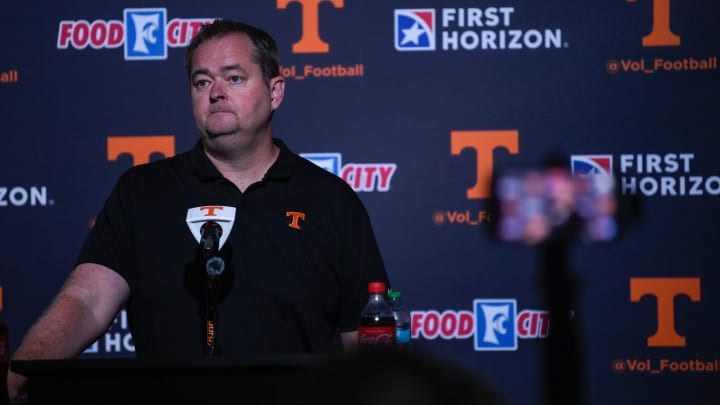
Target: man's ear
x=277, y=91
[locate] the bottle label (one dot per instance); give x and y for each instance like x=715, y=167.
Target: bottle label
x=403, y=335
x=376, y=335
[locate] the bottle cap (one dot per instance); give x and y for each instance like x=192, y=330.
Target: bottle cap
x=394, y=294
x=376, y=287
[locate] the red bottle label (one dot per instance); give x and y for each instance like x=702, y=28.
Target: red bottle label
x=376, y=335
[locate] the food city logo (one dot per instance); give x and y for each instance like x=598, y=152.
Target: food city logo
x=116, y=340
x=310, y=42
x=660, y=35
x=495, y=324
x=665, y=293
x=360, y=176
x=651, y=174
x=482, y=144
x=469, y=29
x=145, y=33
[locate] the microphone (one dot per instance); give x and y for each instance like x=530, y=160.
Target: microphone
x=210, y=238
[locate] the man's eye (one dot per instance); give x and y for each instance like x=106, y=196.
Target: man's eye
x=201, y=83
x=235, y=79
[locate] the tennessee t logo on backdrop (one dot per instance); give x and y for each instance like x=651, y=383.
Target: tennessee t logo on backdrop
x=665, y=290
x=484, y=143
x=310, y=41
x=140, y=147
x=660, y=35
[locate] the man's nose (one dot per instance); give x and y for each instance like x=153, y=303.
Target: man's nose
x=217, y=92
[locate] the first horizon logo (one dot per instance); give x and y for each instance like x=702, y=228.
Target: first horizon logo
x=469, y=29
x=651, y=174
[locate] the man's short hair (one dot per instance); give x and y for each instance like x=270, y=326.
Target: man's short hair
x=265, y=50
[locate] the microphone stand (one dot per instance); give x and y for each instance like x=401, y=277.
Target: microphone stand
x=214, y=267
x=211, y=315
x=564, y=378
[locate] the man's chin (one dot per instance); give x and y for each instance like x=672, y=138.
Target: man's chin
x=213, y=133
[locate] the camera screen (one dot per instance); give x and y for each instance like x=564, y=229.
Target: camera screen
x=531, y=203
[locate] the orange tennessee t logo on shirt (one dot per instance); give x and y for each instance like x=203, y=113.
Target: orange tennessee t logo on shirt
x=296, y=217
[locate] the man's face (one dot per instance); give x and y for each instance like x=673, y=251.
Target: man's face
x=229, y=96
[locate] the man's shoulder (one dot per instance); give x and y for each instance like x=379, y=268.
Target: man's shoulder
x=163, y=163
x=158, y=170
x=313, y=174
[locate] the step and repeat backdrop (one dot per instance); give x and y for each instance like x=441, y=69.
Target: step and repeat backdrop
x=417, y=104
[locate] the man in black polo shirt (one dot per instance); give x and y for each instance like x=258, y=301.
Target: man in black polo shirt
x=274, y=251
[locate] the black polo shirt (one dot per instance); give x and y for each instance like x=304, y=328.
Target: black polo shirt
x=285, y=289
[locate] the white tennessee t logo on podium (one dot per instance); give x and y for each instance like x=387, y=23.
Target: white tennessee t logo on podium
x=222, y=215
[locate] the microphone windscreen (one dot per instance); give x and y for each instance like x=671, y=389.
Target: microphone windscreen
x=215, y=266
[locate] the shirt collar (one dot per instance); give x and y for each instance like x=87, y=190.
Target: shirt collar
x=282, y=168
x=205, y=170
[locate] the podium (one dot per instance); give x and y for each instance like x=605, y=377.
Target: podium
x=212, y=380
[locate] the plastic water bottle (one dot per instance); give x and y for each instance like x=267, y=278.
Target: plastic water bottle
x=402, y=318
x=377, y=321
